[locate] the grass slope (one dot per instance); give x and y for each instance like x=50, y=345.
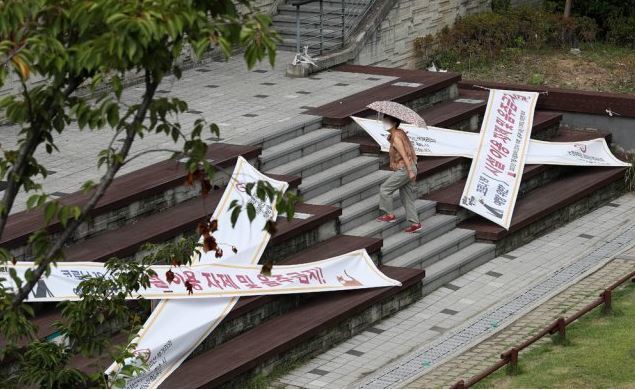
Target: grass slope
x=600, y=353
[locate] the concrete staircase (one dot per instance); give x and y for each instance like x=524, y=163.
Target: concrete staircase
x=336, y=173
x=334, y=27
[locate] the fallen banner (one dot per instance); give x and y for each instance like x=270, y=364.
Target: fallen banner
x=437, y=141
x=351, y=271
x=165, y=340
x=496, y=170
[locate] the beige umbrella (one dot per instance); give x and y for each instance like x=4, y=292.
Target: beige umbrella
x=398, y=111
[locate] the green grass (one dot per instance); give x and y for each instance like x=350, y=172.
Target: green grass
x=599, y=353
x=598, y=67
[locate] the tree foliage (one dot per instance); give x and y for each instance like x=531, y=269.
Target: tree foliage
x=80, y=47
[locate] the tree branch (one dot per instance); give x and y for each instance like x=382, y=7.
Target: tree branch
x=27, y=149
x=106, y=180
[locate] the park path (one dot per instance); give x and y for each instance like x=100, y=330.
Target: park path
x=245, y=104
x=448, y=323
x=565, y=304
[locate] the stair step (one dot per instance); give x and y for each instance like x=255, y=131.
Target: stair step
x=435, y=250
x=313, y=10
x=364, y=211
x=457, y=264
x=319, y=161
x=286, y=21
x=297, y=147
x=402, y=242
x=278, y=133
x=376, y=228
x=338, y=175
x=354, y=191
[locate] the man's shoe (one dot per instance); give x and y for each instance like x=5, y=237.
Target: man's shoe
x=387, y=218
x=415, y=227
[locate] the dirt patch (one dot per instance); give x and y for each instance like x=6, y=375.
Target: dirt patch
x=594, y=69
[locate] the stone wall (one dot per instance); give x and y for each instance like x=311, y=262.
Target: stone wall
x=392, y=44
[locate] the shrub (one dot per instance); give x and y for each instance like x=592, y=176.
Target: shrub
x=621, y=31
x=481, y=37
x=603, y=12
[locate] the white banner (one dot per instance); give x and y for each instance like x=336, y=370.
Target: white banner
x=437, y=141
x=351, y=271
x=497, y=168
x=166, y=340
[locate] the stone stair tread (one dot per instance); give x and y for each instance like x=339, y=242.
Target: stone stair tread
x=429, y=224
x=546, y=199
x=431, y=248
x=182, y=218
x=372, y=227
x=265, y=341
x=298, y=143
x=456, y=260
x=296, y=166
x=351, y=188
x=337, y=170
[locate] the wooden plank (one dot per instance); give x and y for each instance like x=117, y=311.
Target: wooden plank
x=124, y=190
x=245, y=352
x=334, y=246
x=448, y=198
x=183, y=218
x=547, y=199
x=559, y=99
x=339, y=112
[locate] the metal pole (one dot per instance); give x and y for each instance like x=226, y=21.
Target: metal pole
x=343, y=23
x=321, y=27
x=297, y=28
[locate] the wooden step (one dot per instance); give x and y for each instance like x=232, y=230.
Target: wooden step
x=267, y=343
x=183, y=219
x=234, y=322
x=448, y=198
x=151, y=181
x=411, y=85
x=546, y=200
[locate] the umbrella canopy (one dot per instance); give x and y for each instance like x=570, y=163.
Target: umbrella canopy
x=398, y=111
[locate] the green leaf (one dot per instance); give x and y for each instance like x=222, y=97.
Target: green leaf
x=49, y=211
x=251, y=211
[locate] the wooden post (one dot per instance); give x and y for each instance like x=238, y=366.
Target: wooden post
x=512, y=368
x=607, y=307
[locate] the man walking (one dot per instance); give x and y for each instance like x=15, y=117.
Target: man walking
x=403, y=163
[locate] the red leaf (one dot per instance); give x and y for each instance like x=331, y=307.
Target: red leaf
x=271, y=227
x=189, y=179
x=219, y=253
x=189, y=287
x=266, y=268
x=213, y=226
x=206, y=186
x=209, y=244
x=169, y=276
x=203, y=228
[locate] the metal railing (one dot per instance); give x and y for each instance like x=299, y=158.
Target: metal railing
x=331, y=27
x=510, y=357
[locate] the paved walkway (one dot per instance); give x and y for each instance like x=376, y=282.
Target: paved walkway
x=245, y=104
x=472, y=308
x=564, y=304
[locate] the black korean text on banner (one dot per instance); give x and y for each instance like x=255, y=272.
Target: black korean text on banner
x=496, y=171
